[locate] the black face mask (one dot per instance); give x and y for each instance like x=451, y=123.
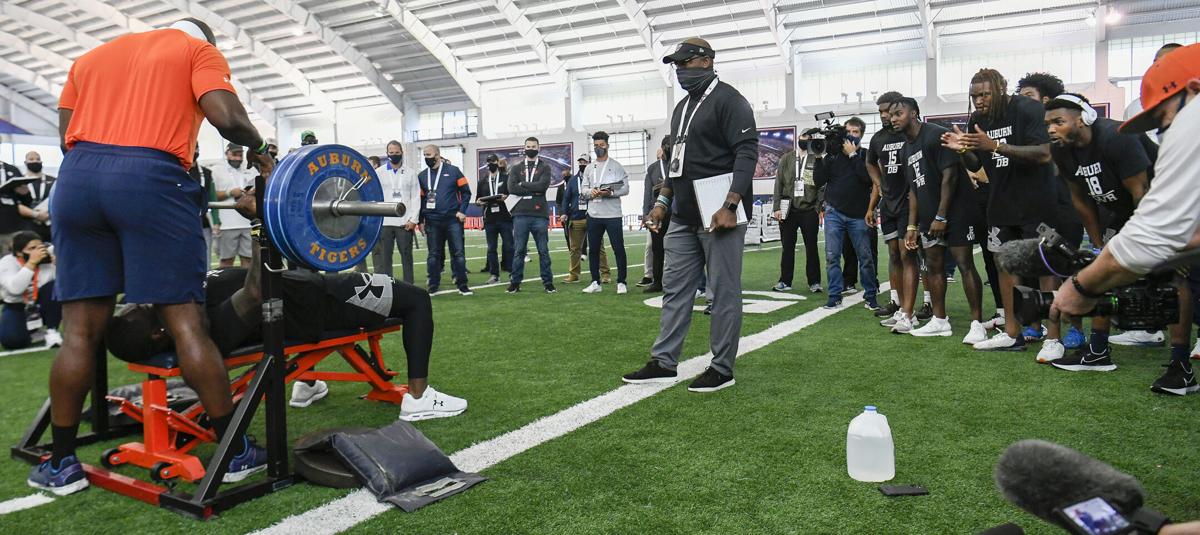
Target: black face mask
x=493, y=167
x=34, y=167
x=582, y=168
x=694, y=79
x=307, y=142
x=274, y=155
x=395, y=158
x=431, y=162
x=601, y=152
x=531, y=153
x=236, y=164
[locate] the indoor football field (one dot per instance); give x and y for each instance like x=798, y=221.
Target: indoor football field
x=568, y=448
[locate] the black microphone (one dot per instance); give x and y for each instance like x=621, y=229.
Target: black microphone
x=1040, y=476
x=1024, y=258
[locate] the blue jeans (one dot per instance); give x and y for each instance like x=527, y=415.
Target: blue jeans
x=523, y=226
x=14, y=333
x=437, y=233
x=502, y=230
x=596, y=227
x=838, y=225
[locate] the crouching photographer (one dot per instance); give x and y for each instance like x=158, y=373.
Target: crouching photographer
x=1168, y=218
x=27, y=287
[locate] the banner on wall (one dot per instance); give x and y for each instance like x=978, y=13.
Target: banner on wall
x=960, y=119
x=559, y=156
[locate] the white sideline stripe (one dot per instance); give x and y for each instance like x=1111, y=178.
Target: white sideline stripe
x=360, y=505
x=23, y=503
x=34, y=349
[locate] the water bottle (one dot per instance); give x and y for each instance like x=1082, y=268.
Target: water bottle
x=870, y=454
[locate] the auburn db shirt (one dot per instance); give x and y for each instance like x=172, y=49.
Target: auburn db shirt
x=1022, y=193
x=143, y=90
x=1101, y=167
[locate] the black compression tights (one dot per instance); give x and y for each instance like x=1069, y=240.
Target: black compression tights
x=412, y=304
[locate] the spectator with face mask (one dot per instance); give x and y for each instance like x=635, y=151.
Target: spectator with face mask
x=232, y=178
x=497, y=222
x=399, y=185
x=308, y=137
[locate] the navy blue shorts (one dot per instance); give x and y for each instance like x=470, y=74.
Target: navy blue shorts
x=127, y=219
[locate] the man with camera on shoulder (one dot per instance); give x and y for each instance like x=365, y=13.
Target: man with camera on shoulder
x=842, y=170
x=1166, y=220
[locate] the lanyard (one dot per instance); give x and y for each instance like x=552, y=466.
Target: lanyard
x=494, y=183
x=31, y=297
x=684, y=128
x=530, y=171
x=397, y=177
x=663, y=170
x=434, y=181
x=598, y=177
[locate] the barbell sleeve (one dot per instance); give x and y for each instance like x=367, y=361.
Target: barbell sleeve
x=338, y=208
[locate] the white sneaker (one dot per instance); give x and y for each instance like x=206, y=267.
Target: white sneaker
x=978, y=333
x=304, y=395
x=905, y=324
x=621, y=289
x=995, y=322
x=1051, y=350
x=53, y=338
x=1196, y=350
x=936, y=327
x=1000, y=342
x=593, y=288
x=888, y=322
x=1138, y=338
x=432, y=404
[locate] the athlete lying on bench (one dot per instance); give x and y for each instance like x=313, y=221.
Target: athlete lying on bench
x=313, y=304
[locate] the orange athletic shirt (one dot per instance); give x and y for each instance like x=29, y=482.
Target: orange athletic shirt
x=143, y=90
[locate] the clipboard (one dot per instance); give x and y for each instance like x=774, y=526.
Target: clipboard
x=710, y=195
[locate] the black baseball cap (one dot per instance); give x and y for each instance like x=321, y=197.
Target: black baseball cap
x=691, y=48
x=492, y=158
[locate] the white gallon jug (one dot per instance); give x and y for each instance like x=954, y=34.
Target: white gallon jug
x=870, y=454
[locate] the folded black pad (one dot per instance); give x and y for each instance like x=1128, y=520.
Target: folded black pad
x=317, y=463
x=401, y=466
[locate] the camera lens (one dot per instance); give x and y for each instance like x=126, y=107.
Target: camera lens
x=1030, y=305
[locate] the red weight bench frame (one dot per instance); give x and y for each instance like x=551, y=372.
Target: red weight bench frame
x=168, y=436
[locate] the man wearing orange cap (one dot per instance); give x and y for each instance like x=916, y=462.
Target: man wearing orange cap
x=1166, y=221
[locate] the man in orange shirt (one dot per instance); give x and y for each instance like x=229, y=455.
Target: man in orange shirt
x=128, y=218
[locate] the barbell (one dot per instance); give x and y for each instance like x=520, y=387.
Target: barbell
x=323, y=207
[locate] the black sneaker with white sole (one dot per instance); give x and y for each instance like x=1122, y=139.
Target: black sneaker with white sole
x=926, y=312
x=887, y=311
x=652, y=372
x=550, y=289
x=1176, y=380
x=513, y=288
x=711, y=381
x=1085, y=360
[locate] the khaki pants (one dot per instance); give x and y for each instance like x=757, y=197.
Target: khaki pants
x=578, y=230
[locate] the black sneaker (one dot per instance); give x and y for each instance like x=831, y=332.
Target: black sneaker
x=513, y=287
x=711, y=381
x=926, y=312
x=550, y=289
x=653, y=289
x=1085, y=360
x=887, y=311
x=1176, y=380
x=708, y=309
x=652, y=372
x=434, y=289
x=463, y=289
x=850, y=289
x=646, y=281
x=485, y=269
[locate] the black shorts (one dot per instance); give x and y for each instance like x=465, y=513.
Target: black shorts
x=998, y=236
x=958, y=234
x=893, y=227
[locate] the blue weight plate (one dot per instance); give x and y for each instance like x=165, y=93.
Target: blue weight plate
x=321, y=241
x=282, y=170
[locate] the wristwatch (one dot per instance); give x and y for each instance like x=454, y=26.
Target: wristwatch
x=731, y=206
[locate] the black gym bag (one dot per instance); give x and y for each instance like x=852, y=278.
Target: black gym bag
x=397, y=463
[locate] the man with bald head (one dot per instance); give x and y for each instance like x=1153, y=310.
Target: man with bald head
x=445, y=196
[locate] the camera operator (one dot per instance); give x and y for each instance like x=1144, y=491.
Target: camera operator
x=842, y=171
x=1102, y=168
x=1166, y=221
x=27, y=285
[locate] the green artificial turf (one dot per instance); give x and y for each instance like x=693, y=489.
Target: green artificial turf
x=766, y=456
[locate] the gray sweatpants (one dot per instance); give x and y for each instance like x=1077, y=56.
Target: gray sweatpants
x=648, y=259
x=381, y=257
x=689, y=251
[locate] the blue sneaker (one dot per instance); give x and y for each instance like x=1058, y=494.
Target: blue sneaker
x=1074, y=339
x=1033, y=334
x=252, y=460
x=69, y=478
x=872, y=305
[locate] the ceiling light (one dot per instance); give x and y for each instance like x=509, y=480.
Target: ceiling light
x=1112, y=17
x=298, y=31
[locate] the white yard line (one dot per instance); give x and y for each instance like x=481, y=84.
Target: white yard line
x=23, y=503
x=360, y=506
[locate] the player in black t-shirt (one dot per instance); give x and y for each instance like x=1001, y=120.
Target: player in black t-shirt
x=314, y=303
x=890, y=196
x=940, y=216
x=1007, y=139
x=1105, y=168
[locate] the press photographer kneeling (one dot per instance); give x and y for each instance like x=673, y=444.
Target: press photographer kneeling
x=1167, y=219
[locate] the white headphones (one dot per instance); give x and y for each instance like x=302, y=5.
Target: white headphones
x=1089, y=113
x=190, y=28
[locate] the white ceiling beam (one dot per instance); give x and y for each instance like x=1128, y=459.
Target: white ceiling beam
x=928, y=30
x=437, y=47
x=535, y=40
x=88, y=41
x=30, y=77
x=276, y=63
x=390, y=89
x=40, y=53
x=32, y=106
x=773, y=23
x=641, y=23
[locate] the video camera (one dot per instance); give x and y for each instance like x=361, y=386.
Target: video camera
x=830, y=134
x=1150, y=303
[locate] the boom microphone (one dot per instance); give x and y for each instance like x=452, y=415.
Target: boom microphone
x=1040, y=476
x=1023, y=258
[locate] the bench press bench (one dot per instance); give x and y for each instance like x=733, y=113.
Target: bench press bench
x=168, y=436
